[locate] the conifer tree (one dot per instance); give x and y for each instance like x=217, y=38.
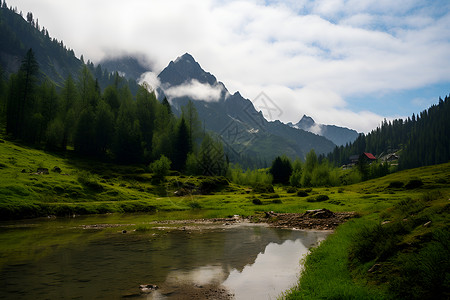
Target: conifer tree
x=182, y=146
x=281, y=169
x=21, y=96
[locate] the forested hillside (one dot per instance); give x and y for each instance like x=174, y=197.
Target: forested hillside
x=423, y=139
x=109, y=125
x=56, y=61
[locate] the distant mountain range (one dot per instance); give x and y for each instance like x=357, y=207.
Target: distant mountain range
x=239, y=122
x=338, y=135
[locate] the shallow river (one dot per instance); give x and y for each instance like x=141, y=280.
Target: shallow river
x=62, y=259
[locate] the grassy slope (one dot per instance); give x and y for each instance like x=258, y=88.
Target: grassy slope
x=410, y=259
x=329, y=272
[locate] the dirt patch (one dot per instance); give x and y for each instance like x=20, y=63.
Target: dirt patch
x=318, y=219
x=185, y=292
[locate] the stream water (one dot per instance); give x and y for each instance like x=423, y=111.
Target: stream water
x=65, y=260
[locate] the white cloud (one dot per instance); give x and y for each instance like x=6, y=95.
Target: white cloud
x=151, y=79
x=308, y=55
x=195, y=90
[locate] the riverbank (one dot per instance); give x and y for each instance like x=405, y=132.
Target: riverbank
x=74, y=187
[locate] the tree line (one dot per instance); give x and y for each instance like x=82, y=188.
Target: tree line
x=423, y=139
x=110, y=125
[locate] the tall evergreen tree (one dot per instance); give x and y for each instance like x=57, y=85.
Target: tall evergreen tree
x=22, y=95
x=103, y=129
x=281, y=169
x=84, y=136
x=146, y=103
x=182, y=146
x=211, y=159
x=190, y=114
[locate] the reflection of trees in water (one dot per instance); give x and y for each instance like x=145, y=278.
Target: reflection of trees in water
x=110, y=267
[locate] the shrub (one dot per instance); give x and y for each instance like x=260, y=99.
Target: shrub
x=263, y=188
x=291, y=190
x=195, y=205
x=271, y=196
x=395, y=184
x=87, y=180
x=212, y=184
x=414, y=184
x=160, y=168
x=296, y=177
x=256, y=201
x=302, y=193
x=319, y=198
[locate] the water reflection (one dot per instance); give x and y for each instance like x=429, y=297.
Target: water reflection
x=253, y=262
x=273, y=272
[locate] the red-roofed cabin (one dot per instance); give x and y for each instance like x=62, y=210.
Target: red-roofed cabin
x=369, y=156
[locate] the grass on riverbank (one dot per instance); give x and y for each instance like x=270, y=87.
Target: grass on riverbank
x=399, y=252
x=89, y=187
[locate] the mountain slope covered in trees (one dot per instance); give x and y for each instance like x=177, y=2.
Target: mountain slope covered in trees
x=56, y=61
x=424, y=139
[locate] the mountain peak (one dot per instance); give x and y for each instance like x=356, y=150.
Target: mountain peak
x=188, y=58
x=183, y=70
x=338, y=135
x=306, y=121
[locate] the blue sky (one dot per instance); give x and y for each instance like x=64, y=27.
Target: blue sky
x=346, y=62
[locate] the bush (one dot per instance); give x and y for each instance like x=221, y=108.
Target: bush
x=291, y=190
x=212, y=184
x=302, y=193
x=395, y=185
x=87, y=180
x=160, y=168
x=414, y=184
x=271, y=196
x=256, y=201
x=263, y=188
x=195, y=205
x=319, y=198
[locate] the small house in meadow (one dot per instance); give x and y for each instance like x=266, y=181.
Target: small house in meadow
x=369, y=156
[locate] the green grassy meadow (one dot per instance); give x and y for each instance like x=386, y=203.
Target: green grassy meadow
x=339, y=268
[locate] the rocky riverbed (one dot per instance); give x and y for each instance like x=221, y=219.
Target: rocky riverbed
x=318, y=219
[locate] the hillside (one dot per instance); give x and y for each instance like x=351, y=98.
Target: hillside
x=17, y=35
x=56, y=61
x=421, y=140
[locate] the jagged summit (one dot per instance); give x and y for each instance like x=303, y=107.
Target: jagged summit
x=188, y=58
x=338, y=135
x=242, y=127
x=183, y=70
x=305, y=122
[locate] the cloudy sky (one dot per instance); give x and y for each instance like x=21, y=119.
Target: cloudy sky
x=344, y=62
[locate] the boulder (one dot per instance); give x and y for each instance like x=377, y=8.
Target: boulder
x=148, y=288
x=42, y=171
x=320, y=213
